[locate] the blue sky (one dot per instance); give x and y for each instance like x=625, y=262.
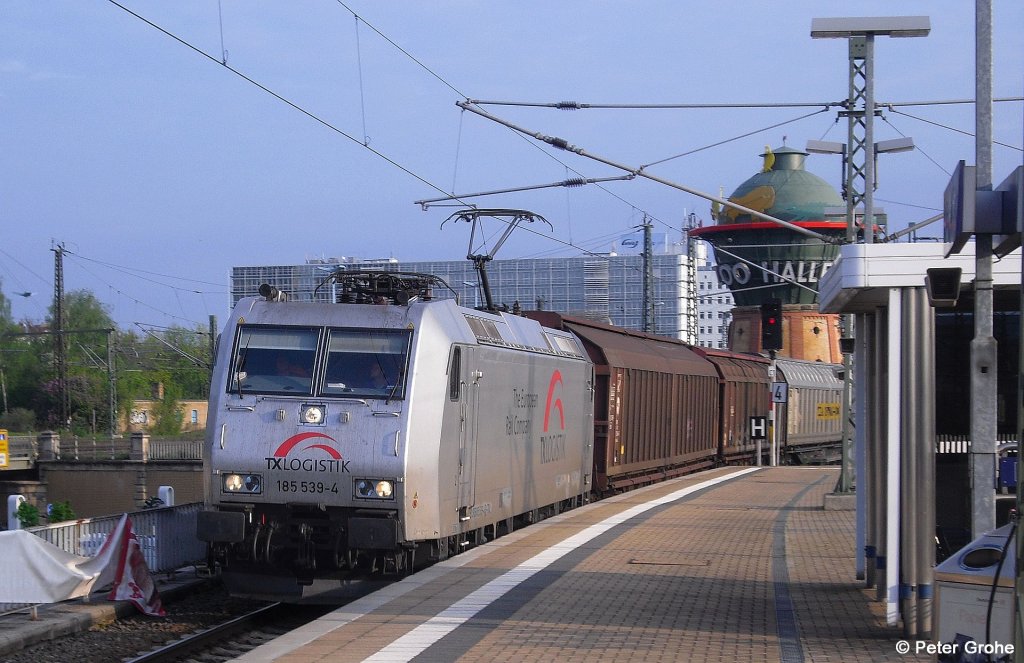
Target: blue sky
x=159, y=168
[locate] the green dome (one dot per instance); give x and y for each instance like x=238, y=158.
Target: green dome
x=786, y=191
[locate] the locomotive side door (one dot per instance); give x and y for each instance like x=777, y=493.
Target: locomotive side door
x=469, y=399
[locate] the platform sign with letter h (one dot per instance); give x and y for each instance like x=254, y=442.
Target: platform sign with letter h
x=759, y=428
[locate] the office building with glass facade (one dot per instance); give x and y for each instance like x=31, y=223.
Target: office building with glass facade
x=603, y=287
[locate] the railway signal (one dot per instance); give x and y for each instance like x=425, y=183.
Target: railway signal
x=771, y=324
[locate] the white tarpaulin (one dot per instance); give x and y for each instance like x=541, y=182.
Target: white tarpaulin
x=39, y=572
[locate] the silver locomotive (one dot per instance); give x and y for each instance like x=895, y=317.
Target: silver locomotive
x=384, y=429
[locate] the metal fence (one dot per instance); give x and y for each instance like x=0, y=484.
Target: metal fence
x=176, y=450
x=961, y=444
x=166, y=535
x=23, y=446
x=26, y=448
x=84, y=448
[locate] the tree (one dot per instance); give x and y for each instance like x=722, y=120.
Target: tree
x=168, y=412
x=6, y=321
x=86, y=321
x=175, y=358
x=21, y=372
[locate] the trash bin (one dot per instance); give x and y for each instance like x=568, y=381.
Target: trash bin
x=963, y=592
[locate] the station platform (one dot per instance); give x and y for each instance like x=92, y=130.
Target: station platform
x=726, y=565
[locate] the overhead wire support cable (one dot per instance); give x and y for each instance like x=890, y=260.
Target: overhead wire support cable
x=464, y=96
x=195, y=360
x=278, y=96
x=324, y=122
x=777, y=275
x=362, y=97
x=729, y=140
x=949, y=128
x=946, y=102
x=563, y=144
x=913, y=228
x=339, y=131
x=574, y=105
x=572, y=182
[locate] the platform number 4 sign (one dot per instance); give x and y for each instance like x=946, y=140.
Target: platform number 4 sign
x=780, y=392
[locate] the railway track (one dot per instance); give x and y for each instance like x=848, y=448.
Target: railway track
x=234, y=637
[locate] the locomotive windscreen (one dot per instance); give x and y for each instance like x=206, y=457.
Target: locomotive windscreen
x=275, y=360
x=363, y=363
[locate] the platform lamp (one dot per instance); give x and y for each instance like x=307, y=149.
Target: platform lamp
x=892, y=146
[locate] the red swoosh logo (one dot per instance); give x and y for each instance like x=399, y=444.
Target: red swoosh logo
x=556, y=380
x=294, y=440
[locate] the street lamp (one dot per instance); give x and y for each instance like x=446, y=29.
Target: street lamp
x=881, y=147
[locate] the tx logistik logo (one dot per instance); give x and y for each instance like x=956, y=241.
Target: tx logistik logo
x=553, y=444
x=280, y=460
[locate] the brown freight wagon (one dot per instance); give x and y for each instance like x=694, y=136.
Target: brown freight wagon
x=744, y=392
x=655, y=404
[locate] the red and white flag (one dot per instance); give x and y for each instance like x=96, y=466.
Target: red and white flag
x=132, y=580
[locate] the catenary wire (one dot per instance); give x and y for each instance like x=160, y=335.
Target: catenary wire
x=323, y=122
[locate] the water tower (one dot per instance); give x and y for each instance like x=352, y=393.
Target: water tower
x=760, y=260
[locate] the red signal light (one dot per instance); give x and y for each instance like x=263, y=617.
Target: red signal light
x=771, y=327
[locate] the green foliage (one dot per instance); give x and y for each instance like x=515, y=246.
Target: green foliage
x=5, y=311
x=83, y=311
x=27, y=514
x=177, y=360
x=18, y=420
x=61, y=511
x=168, y=413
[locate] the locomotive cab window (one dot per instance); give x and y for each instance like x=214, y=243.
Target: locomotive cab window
x=274, y=360
x=366, y=363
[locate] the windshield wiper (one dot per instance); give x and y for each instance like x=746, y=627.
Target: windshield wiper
x=394, y=389
x=240, y=366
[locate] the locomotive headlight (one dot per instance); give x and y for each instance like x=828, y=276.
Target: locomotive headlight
x=312, y=414
x=243, y=483
x=375, y=489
